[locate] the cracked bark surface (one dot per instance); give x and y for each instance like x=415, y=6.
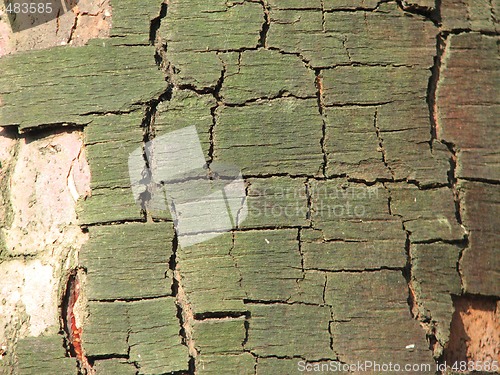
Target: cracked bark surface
x=367, y=135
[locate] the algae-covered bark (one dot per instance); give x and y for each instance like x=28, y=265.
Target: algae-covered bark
x=366, y=133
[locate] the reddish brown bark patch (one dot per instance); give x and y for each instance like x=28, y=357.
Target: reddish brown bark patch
x=71, y=313
x=475, y=330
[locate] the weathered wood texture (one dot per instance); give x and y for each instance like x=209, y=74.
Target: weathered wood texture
x=145, y=332
x=467, y=111
x=370, y=160
x=480, y=15
x=44, y=355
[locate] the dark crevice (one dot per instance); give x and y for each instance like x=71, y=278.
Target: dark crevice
x=103, y=357
x=246, y=324
x=182, y=331
x=184, y=313
x=309, y=201
x=172, y=265
x=433, y=86
x=271, y=227
x=106, y=223
x=463, y=247
x=191, y=366
x=481, y=180
x=197, y=90
x=354, y=104
x=123, y=112
x=459, y=242
x=284, y=174
x=41, y=131
x=323, y=295
x=429, y=13
x=148, y=135
x=262, y=43
x=358, y=64
x=353, y=270
x=250, y=301
x=213, y=111
x=281, y=94
x=207, y=315
x=297, y=54
x=344, y=44
x=131, y=299
x=407, y=274
x=321, y=108
x=452, y=180
x=381, y=144
x=156, y=23
x=494, y=19
x=459, y=31
x=69, y=322
x=413, y=299
x=279, y=356
x=356, y=8
x=420, y=186
x=73, y=28
x=299, y=241
x=323, y=18
x=67, y=303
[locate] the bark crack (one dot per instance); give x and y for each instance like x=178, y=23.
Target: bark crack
x=381, y=147
x=321, y=109
x=262, y=43
x=414, y=304
x=429, y=13
x=185, y=313
x=433, y=86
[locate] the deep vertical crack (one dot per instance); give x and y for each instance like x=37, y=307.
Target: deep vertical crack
x=185, y=313
x=299, y=240
x=235, y=261
x=414, y=305
x=381, y=147
x=321, y=108
x=442, y=52
x=453, y=181
x=323, y=17
x=344, y=44
x=307, y=184
x=432, y=88
x=150, y=112
x=156, y=23
x=213, y=111
x=73, y=28
x=149, y=134
x=262, y=43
